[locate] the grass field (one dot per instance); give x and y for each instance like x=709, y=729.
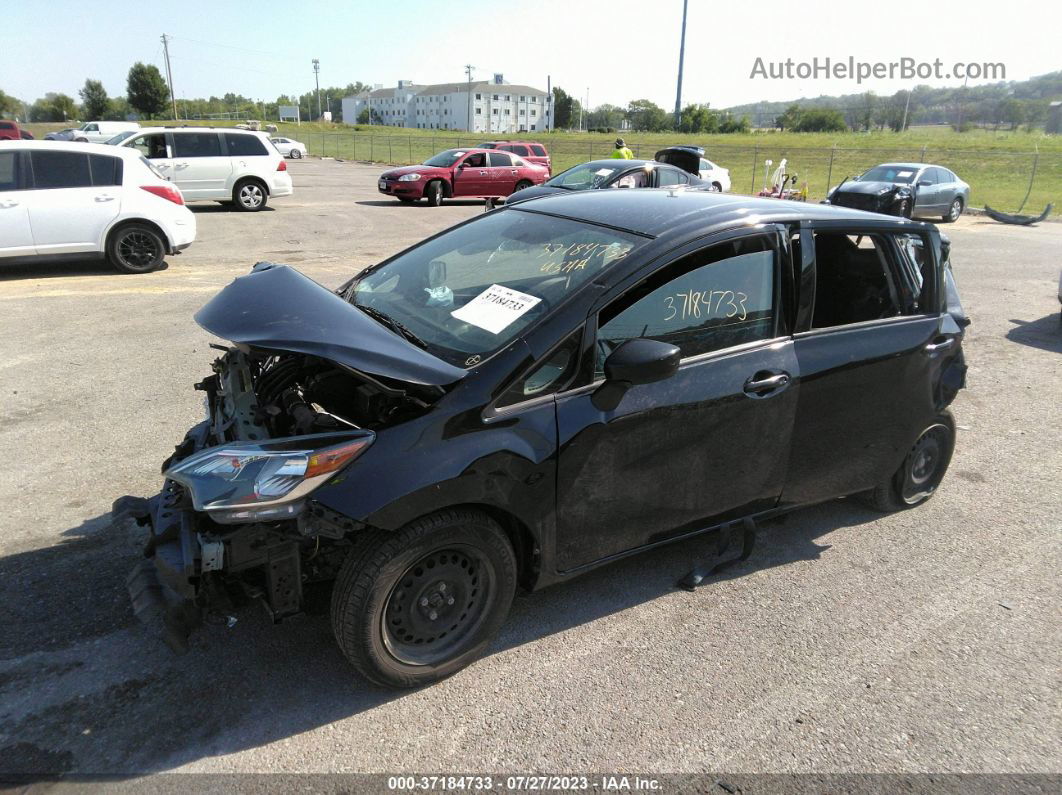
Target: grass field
x=998, y=165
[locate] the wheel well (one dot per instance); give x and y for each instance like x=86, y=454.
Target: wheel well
x=144, y=222
x=447, y=190
x=259, y=180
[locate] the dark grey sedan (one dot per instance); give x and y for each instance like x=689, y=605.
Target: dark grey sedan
x=611, y=173
x=909, y=190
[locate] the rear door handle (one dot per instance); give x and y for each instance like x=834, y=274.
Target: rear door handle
x=937, y=347
x=104, y=198
x=7, y=204
x=767, y=384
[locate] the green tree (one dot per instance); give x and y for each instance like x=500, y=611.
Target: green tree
x=820, y=120
x=646, y=115
x=865, y=113
x=8, y=105
x=147, y=90
x=369, y=116
x=788, y=120
x=605, y=116
x=729, y=124
x=699, y=119
x=53, y=107
x=94, y=100
x=565, y=108
x=1012, y=111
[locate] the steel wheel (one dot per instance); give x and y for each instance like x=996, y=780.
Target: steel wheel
x=136, y=249
x=250, y=196
x=925, y=465
x=436, y=604
x=296, y=154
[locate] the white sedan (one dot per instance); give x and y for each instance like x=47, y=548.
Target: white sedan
x=718, y=176
x=289, y=148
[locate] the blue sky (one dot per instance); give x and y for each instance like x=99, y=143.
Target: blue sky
x=617, y=49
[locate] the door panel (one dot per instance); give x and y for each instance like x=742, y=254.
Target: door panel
x=675, y=456
x=70, y=220
x=866, y=392
x=200, y=169
x=473, y=180
x=16, y=239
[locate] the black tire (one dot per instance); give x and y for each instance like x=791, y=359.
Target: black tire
x=456, y=565
x=954, y=211
x=296, y=154
x=250, y=195
x=524, y=183
x=922, y=469
x=434, y=192
x=903, y=209
x=135, y=248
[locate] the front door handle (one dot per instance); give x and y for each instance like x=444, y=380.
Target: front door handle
x=937, y=347
x=765, y=383
x=182, y=165
x=8, y=204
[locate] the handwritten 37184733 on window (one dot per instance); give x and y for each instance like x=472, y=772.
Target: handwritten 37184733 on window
x=698, y=303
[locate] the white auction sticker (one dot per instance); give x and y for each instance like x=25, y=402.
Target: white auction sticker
x=496, y=308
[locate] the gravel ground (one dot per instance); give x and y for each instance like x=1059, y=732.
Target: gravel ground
x=922, y=641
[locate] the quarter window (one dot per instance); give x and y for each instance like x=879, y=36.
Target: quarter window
x=105, y=170
x=60, y=170
x=538, y=150
x=669, y=176
x=551, y=375
x=197, y=145
x=717, y=298
x=8, y=172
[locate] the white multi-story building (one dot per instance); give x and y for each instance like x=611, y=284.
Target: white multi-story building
x=488, y=106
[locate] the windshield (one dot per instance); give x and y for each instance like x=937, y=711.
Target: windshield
x=901, y=174
x=445, y=159
x=487, y=146
x=587, y=175
x=472, y=290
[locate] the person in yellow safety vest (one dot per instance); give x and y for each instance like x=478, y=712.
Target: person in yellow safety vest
x=622, y=151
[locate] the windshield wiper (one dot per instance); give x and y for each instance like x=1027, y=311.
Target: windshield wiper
x=393, y=324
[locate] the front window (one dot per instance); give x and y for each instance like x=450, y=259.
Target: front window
x=471, y=291
x=585, y=176
x=900, y=174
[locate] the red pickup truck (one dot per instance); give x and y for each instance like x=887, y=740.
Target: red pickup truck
x=462, y=173
x=10, y=131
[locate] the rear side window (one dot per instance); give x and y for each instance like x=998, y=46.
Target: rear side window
x=105, y=170
x=6, y=125
x=520, y=149
x=669, y=176
x=8, y=171
x=500, y=159
x=537, y=150
x=196, y=145
x=854, y=282
x=717, y=298
x=244, y=145
x=60, y=170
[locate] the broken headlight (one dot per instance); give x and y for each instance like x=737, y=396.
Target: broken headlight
x=268, y=481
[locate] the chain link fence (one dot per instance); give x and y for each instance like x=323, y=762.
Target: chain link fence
x=1000, y=179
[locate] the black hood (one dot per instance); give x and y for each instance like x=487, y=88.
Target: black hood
x=534, y=192
x=279, y=309
x=868, y=188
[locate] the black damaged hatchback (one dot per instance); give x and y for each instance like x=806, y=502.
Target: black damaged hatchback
x=538, y=391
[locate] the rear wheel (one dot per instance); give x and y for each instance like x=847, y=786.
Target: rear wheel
x=524, y=183
x=414, y=606
x=249, y=195
x=922, y=470
x=135, y=248
x=717, y=187
x=433, y=192
x=954, y=211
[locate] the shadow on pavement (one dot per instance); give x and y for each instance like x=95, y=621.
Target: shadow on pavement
x=127, y=705
x=1045, y=333
x=422, y=204
x=67, y=267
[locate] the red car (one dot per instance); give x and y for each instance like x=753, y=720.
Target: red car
x=531, y=151
x=462, y=173
x=10, y=131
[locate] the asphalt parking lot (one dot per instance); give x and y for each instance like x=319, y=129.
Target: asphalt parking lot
x=850, y=642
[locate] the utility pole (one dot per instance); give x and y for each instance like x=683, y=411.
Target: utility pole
x=169, y=73
x=906, y=107
x=317, y=81
x=682, y=57
x=549, y=103
x=468, y=71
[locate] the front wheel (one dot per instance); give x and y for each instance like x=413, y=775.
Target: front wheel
x=954, y=211
x=416, y=605
x=433, y=192
x=136, y=248
x=922, y=470
x=296, y=154
x=903, y=209
x=250, y=196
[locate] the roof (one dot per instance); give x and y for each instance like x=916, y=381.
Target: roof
x=73, y=146
x=915, y=166
x=664, y=211
x=437, y=89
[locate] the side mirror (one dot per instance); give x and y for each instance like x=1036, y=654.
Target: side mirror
x=637, y=361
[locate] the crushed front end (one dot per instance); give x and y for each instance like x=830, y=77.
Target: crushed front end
x=235, y=521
